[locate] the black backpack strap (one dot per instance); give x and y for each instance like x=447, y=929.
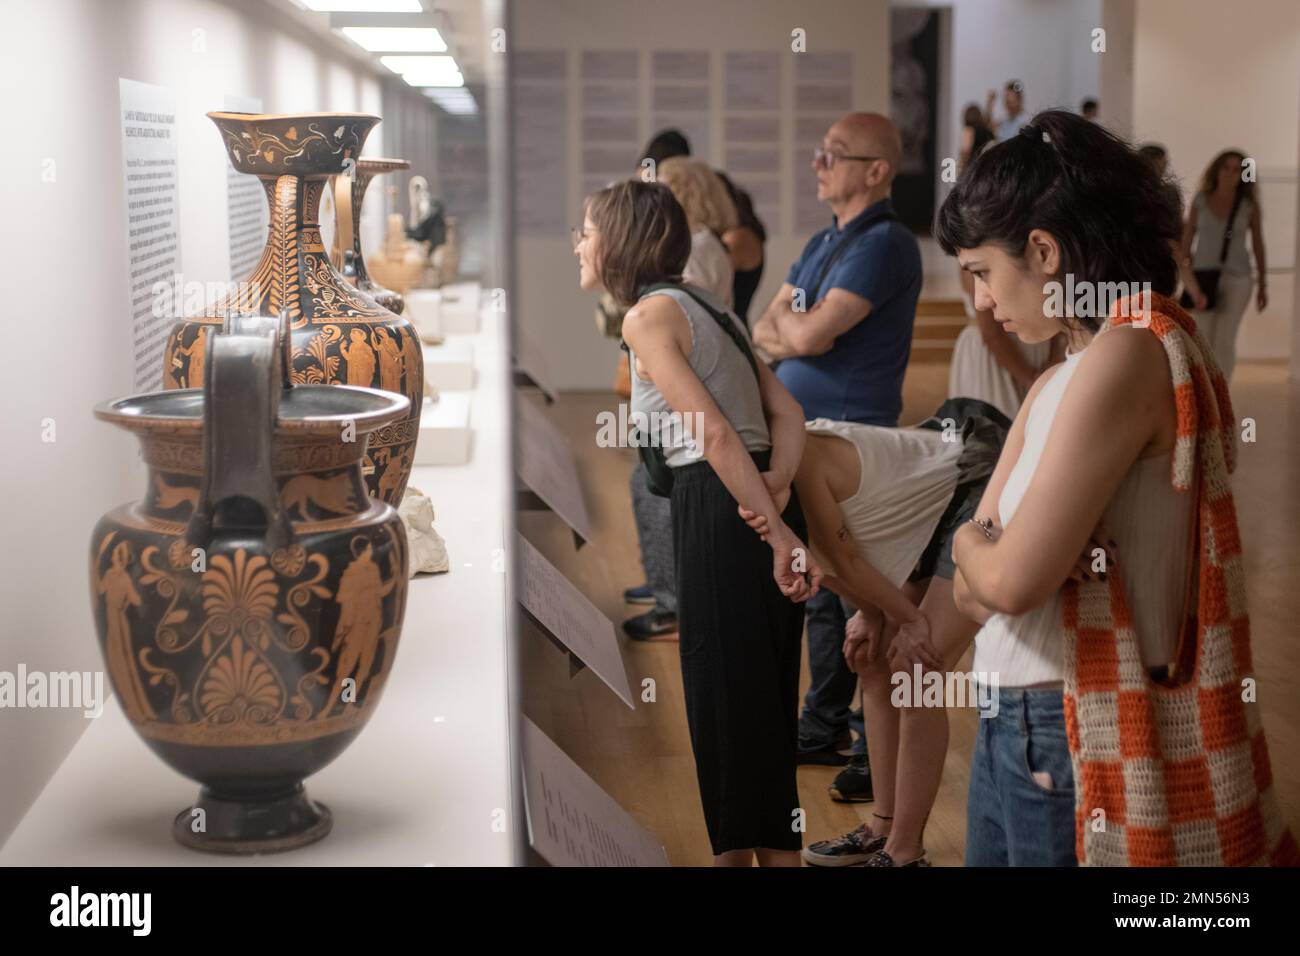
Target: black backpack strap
x=1227, y=231
x=884, y=215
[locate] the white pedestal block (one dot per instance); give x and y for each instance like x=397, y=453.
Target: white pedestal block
x=450, y=366
x=460, y=308
x=444, y=431
x=424, y=309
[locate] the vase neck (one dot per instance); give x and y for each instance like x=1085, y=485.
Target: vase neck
x=294, y=273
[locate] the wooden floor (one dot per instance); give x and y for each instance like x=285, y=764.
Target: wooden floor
x=643, y=758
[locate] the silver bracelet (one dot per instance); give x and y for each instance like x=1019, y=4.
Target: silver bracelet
x=985, y=525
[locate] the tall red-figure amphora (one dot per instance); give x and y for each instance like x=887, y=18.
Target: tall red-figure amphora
x=339, y=334
x=249, y=605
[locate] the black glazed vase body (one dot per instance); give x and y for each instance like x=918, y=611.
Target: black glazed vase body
x=249, y=605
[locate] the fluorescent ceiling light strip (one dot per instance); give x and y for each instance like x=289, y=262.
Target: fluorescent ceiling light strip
x=421, y=64
x=450, y=98
x=363, y=6
x=449, y=102
x=439, y=79
x=397, y=39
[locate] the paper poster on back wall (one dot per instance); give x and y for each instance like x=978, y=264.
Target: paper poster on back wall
x=150, y=186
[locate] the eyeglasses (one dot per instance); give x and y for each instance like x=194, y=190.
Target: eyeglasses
x=825, y=159
x=578, y=234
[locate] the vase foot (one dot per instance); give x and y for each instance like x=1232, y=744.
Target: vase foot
x=244, y=826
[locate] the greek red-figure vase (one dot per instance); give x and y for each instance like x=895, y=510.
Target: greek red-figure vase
x=249, y=605
x=349, y=193
x=339, y=334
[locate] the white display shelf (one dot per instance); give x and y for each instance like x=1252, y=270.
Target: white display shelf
x=425, y=782
x=424, y=310
x=460, y=307
x=450, y=366
x=446, y=437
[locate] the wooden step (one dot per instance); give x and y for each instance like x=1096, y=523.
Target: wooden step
x=941, y=307
x=941, y=331
x=924, y=353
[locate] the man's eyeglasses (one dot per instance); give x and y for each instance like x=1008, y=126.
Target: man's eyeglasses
x=825, y=159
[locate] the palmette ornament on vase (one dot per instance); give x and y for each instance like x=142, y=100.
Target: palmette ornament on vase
x=339, y=334
x=249, y=606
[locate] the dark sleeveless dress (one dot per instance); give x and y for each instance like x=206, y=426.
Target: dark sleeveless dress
x=743, y=286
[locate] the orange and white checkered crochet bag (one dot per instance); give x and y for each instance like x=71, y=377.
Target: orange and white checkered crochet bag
x=1176, y=773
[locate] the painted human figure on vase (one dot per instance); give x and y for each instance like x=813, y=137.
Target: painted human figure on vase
x=390, y=361
x=360, y=597
x=120, y=594
x=396, y=467
x=360, y=359
x=412, y=364
x=195, y=353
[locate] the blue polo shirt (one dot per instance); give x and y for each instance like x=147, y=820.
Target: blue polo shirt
x=861, y=378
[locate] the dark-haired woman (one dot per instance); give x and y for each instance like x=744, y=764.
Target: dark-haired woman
x=744, y=242
x=988, y=362
x=1220, y=215
x=1087, y=462
x=739, y=622
x=975, y=135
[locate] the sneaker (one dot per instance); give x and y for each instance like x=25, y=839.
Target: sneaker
x=849, y=850
x=824, y=755
x=853, y=783
x=641, y=594
x=881, y=858
x=652, y=625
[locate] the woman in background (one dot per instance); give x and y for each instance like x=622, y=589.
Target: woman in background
x=711, y=214
x=975, y=135
x=1221, y=213
x=653, y=524
x=745, y=244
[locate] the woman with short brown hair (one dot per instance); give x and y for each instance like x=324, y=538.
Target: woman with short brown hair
x=739, y=624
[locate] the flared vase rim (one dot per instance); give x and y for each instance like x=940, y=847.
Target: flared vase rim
x=299, y=117
x=133, y=411
x=382, y=164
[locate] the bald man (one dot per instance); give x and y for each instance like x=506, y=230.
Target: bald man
x=841, y=326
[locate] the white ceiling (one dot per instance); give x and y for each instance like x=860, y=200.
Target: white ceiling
x=460, y=21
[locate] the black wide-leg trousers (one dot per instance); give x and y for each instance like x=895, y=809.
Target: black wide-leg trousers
x=740, y=649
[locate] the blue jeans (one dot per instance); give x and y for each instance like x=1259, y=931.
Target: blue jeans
x=825, y=717
x=1012, y=819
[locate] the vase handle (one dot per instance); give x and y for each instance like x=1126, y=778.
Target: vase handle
x=244, y=377
x=343, y=235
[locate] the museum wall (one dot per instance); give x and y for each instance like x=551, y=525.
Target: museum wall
x=66, y=289
x=1196, y=112
x=551, y=308
x=1042, y=43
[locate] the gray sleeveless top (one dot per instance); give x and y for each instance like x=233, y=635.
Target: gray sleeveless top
x=1209, y=239
x=726, y=374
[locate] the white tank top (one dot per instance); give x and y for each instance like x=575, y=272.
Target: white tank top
x=1150, y=522
x=907, y=478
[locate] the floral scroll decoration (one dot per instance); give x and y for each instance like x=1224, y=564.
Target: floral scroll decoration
x=332, y=299
x=241, y=595
x=322, y=368
x=252, y=145
x=290, y=562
